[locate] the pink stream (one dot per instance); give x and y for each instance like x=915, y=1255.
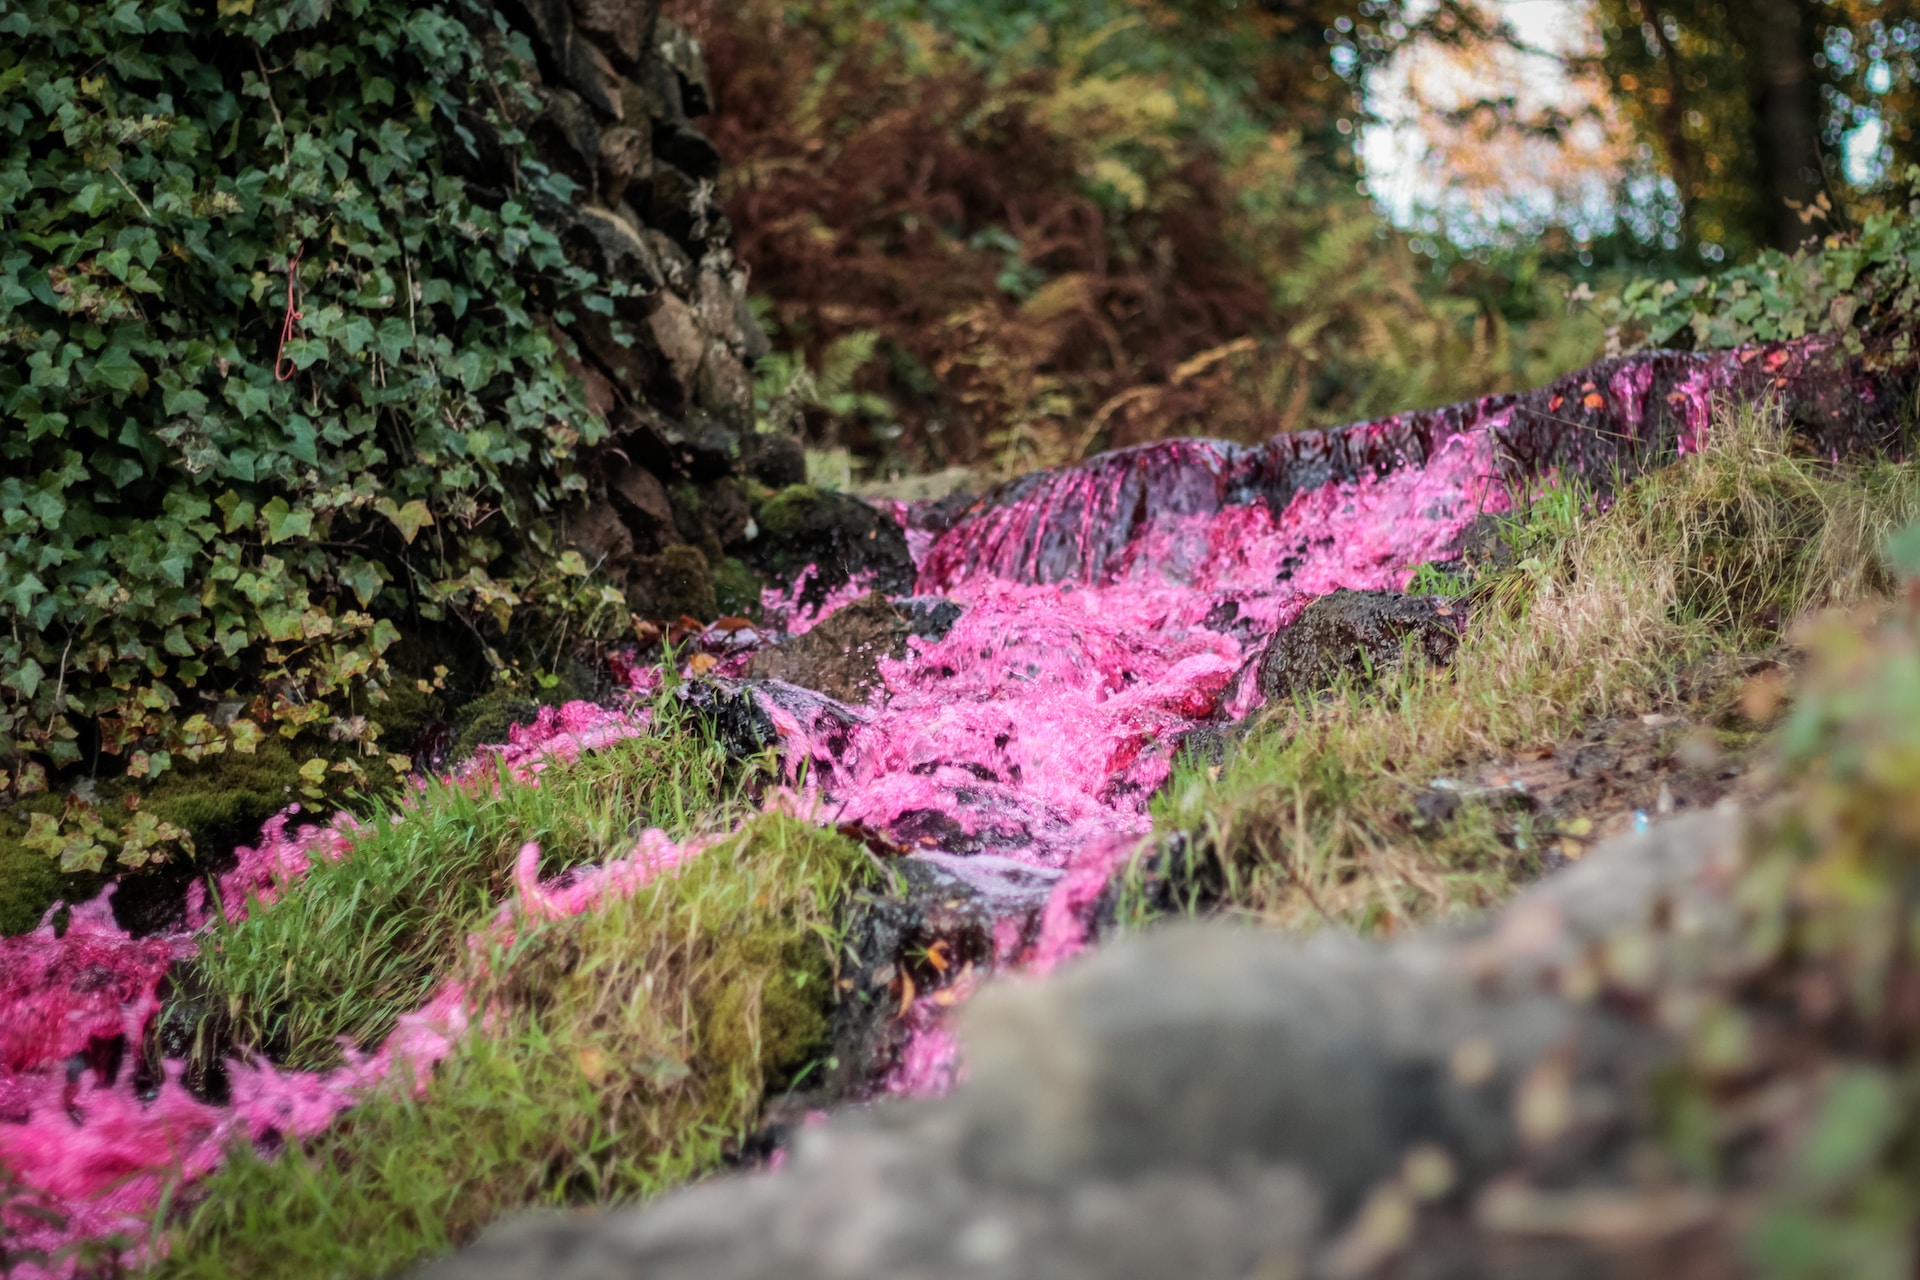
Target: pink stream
x=1026, y=742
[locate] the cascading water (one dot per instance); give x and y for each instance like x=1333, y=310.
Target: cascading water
x=1108, y=613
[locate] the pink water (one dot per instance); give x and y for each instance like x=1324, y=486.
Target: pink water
x=1109, y=611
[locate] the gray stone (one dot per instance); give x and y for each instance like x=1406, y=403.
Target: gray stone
x=1357, y=635
x=839, y=657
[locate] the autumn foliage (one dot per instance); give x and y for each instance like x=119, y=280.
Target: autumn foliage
x=1061, y=247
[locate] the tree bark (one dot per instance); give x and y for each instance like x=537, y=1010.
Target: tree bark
x=1786, y=116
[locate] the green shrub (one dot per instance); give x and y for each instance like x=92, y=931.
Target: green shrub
x=175, y=521
x=1861, y=286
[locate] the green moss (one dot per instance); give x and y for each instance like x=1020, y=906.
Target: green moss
x=222, y=801
x=405, y=712
x=488, y=717
x=29, y=881
x=625, y=1051
x=790, y=512
x=736, y=591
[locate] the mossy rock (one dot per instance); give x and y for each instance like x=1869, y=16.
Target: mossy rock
x=795, y=998
x=736, y=591
x=223, y=800
x=840, y=536
x=406, y=713
x=488, y=718
x=675, y=582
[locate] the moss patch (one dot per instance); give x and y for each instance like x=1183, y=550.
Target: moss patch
x=221, y=801
x=487, y=718
x=736, y=591
x=29, y=880
x=366, y=939
x=627, y=1049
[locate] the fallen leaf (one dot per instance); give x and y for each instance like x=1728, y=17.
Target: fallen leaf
x=1762, y=696
x=1543, y=1105
x=701, y=663
x=593, y=1065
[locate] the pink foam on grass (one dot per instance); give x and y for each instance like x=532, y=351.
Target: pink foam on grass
x=93, y=1159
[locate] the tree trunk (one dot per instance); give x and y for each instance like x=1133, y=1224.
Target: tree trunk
x=1786, y=115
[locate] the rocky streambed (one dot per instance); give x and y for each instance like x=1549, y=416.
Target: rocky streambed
x=988, y=694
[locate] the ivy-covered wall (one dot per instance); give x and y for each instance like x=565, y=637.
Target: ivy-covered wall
x=512, y=289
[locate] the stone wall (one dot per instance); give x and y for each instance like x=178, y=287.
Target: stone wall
x=670, y=367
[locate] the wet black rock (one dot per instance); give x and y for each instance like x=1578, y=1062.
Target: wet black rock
x=1356, y=634
x=839, y=536
x=937, y=920
x=840, y=657
x=931, y=617
x=739, y=720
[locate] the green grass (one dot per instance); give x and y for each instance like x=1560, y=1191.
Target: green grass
x=366, y=939
x=1603, y=615
x=623, y=1051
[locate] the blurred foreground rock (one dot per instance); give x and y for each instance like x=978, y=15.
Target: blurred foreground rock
x=1209, y=1101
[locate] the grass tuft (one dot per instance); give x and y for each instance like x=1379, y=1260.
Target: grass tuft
x=623, y=1051
x=362, y=941
x=1604, y=614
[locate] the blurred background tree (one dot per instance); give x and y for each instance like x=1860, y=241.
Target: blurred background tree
x=1763, y=110
x=1061, y=226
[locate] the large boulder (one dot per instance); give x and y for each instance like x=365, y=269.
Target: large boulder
x=829, y=539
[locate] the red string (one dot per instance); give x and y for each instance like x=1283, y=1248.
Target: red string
x=286, y=329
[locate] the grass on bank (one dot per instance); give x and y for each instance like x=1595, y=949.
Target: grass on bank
x=1604, y=615
x=622, y=1052
x=366, y=939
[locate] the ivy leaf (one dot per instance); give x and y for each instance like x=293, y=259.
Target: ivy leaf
x=283, y=522
x=117, y=370
x=409, y=520
x=363, y=579
x=26, y=678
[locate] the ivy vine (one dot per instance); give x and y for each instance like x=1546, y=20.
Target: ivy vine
x=193, y=553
